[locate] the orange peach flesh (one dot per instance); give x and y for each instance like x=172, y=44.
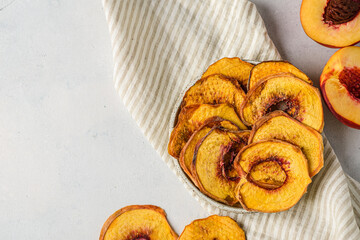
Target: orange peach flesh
x=319, y=25
x=340, y=85
x=267, y=174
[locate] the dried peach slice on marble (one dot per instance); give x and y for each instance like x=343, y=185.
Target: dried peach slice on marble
x=138, y=222
x=274, y=176
x=233, y=68
x=213, y=227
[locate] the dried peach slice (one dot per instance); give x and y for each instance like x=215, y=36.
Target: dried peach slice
x=279, y=125
x=267, y=68
x=274, y=176
x=187, y=153
x=138, y=222
x=213, y=227
x=192, y=117
x=287, y=93
x=233, y=68
x=212, y=166
x=215, y=89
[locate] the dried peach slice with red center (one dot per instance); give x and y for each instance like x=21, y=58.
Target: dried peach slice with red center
x=194, y=116
x=187, y=153
x=274, y=176
x=138, y=222
x=212, y=166
x=287, y=93
x=279, y=125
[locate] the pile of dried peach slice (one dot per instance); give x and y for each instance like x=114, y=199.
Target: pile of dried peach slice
x=250, y=135
x=148, y=222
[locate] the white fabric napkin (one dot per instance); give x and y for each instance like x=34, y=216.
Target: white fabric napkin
x=160, y=46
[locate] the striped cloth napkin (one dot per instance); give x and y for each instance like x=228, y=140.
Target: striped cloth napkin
x=160, y=46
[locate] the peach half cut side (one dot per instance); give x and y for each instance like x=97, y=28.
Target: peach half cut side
x=340, y=85
x=333, y=23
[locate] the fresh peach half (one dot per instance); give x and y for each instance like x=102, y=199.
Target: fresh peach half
x=334, y=23
x=340, y=85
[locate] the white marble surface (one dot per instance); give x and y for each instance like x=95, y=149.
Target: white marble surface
x=70, y=153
